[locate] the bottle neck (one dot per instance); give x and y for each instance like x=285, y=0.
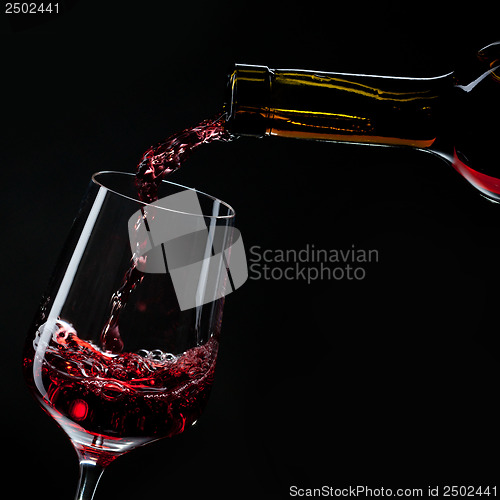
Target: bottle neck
x=336, y=106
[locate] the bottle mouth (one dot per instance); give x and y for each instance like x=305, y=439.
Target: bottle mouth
x=247, y=100
x=228, y=97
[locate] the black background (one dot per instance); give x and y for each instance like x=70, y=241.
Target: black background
x=387, y=382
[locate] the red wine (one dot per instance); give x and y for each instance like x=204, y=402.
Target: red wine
x=110, y=340
x=486, y=184
x=106, y=402
x=170, y=154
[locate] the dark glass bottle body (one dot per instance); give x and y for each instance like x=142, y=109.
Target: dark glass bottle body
x=454, y=115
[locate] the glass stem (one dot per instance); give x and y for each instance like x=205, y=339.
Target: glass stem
x=90, y=473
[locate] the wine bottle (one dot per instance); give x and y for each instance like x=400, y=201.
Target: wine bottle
x=454, y=115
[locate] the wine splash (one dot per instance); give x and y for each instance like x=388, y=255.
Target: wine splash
x=157, y=162
x=170, y=154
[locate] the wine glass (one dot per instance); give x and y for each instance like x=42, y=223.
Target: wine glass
x=123, y=349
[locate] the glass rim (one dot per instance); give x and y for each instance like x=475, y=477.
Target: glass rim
x=231, y=215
